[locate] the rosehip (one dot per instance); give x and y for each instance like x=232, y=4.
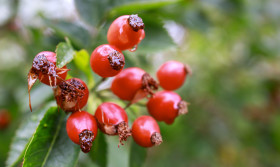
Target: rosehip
x=132, y=81
x=126, y=32
x=82, y=129
x=113, y=120
x=107, y=61
x=44, y=68
x=71, y=95
x=166, y=106
x=44, y=65
x=5, y=119
x=172, y=74
x=146, y=132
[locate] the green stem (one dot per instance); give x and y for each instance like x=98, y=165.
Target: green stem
x=98, y=83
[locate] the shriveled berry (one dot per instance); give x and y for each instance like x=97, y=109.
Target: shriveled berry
x=166, y=106
x=107, y=61
x=44, y=68
x=172, y=74
x=146, y=132
x=113, y=120
x=132, y=81
x=71, y=95
x=82, y=129
x=126, y=32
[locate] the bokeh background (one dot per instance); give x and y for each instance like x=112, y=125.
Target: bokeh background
x=232, y=46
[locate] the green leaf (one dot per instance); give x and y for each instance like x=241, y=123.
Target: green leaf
x=137, y=155
x=156, y=37
x=81, y=60
x=23, y=135
x=64, y=53
x=43, y=140
x=99, y=150
x=76, y=33
x=92, y=11
x=135, y=7
x=64, y=151
x=117, y=156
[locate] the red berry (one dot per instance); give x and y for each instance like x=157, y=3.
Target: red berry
x=107, y=61
x=82, y=129
x=131, y=81
x=113, y=120
x=44, y=68
x=172, y=74
x=45, y=65
x=5, y=119
x=71, y=95
x=166, y=106
x=126, y=32
x=146, y=132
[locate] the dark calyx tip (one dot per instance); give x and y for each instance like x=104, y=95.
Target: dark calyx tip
x=123, y=131
x=156, y=138
x=71, y=89
x=86, y=139
x=149, y=84
x=135, y=22
x=182, y=107
x=41, y=64
x=188, y=69
x=116, y=60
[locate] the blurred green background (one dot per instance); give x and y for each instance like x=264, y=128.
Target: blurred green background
x=232, y=46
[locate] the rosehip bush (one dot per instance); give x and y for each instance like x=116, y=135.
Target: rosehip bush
x=92, y=88
x=75, y=58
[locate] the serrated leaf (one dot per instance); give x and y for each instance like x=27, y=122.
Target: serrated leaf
x=137, y=155
x=64, y=54
x=156, y=37
x=43, y=140
x=23, y=135
x=64, y=151
x=99, y=150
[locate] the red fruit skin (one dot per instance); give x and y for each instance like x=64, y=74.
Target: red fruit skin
x=127, y=83
x=163, y=106
x=99, y=61
x=72, y=106
x=5, y=119
x=110, y=114
x=51, y=56
x=142, y=129
x=121, y=35
x=79, y=121
x=171, y=75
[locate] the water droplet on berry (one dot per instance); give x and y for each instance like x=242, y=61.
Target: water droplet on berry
x=133, y=49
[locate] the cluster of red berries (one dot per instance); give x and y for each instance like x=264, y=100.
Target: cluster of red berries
x=131, y=84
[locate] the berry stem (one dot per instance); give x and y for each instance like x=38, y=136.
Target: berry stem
x=98, y=83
